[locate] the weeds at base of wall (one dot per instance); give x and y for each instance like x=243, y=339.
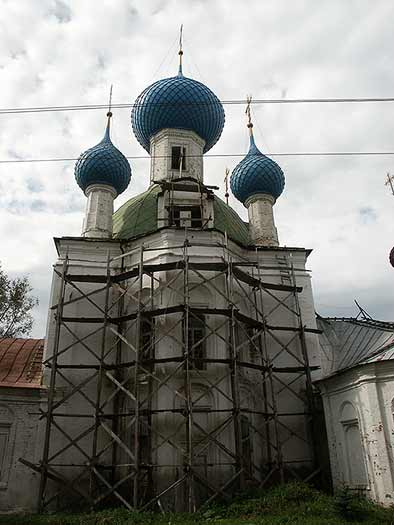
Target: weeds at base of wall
x=291, y=504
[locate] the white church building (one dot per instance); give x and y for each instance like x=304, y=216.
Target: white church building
x=183, y=360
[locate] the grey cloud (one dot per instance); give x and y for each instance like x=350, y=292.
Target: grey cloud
x=34, y=185
x=14, y=206
x=38, y=205
x=368, y=215
x=14, y=154
x=334, y=205
x=62, y=11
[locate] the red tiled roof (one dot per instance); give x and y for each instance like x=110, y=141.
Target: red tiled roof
x=21, y=362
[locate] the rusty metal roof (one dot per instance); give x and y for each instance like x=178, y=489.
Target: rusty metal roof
x=21, y=362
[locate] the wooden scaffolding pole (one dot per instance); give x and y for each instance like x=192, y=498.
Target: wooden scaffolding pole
x=124, y=379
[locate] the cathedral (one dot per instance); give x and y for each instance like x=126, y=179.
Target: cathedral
x=184, y=361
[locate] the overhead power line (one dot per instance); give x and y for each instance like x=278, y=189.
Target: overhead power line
x=219, y=155
x=45, y=109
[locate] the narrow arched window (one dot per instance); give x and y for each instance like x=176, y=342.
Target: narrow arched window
x=196, y=342
x=353, y=448
x=147, y=338
x=178, y=158
x=247, y=343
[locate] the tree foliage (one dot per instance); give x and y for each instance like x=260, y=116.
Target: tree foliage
x=16, y=303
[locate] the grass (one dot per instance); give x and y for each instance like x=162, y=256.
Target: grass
x=292, y=504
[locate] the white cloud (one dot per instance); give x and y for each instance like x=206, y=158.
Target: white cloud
x=69, y=52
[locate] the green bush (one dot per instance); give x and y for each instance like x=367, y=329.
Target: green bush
x=350, y=506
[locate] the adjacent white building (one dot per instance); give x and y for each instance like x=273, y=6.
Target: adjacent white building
x=357, y=388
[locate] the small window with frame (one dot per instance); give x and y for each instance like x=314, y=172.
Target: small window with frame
x=196, y=218
x=174, y=217
x=196, y=342
x=178, y=158
x=147, y=338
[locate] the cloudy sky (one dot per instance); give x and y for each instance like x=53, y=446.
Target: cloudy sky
x=64, y=52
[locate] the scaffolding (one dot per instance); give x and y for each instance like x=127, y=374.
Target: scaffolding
x=161, y=399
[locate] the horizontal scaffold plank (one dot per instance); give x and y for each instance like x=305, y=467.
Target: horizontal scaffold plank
x=256, y=283
x=179, y=358
x=80, y=278
x=181, y=265
x=86, y=320
x=178, y=308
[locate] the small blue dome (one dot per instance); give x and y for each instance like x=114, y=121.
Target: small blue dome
x=256, y=173
x=103, y=164
x=181, y=103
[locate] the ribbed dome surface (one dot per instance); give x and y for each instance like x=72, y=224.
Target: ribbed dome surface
x=256, y=173
x=181, y=103
x=103, y=164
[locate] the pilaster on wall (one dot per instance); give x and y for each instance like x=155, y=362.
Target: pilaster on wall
x=161, y=151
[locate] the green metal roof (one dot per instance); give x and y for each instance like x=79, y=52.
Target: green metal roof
x=227, y=220
x=138, y=216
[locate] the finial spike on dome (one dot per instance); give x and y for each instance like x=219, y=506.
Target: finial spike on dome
x=247, y=113
x=109, y=115
x=227, y=173
x=180, y=52
x=252, y=145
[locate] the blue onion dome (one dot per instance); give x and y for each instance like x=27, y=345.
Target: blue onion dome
x=256, y=173
x=181, y=103
x=103, y=164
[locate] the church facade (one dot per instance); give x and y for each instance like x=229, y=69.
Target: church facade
x=183, y=361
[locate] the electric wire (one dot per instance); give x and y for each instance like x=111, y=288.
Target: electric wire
x=83, y=107
x=221, y=155
x=43, y=109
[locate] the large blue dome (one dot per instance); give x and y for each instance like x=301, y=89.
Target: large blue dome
x=177, y=102
x=256, y=173
x=103, y=164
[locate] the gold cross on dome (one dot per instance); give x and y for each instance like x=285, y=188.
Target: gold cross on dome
x=109, y=114
x=227, y=173
x=389, y=181
x=180, y=38
x=247, y=110
x=180, y=52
